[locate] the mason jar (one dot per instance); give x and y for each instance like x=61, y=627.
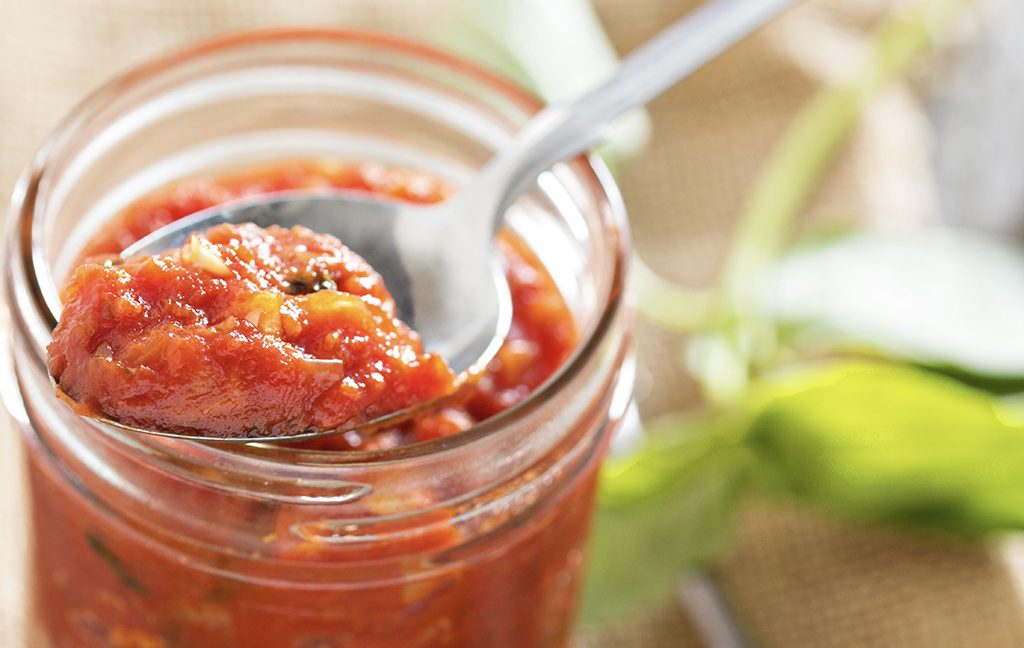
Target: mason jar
x=475, y=539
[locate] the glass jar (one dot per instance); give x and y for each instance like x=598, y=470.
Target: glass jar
x=470, y=540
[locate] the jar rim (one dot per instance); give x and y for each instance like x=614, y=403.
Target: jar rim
x=589, y=165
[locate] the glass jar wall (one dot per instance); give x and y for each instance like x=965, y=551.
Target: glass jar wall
x=475, y=539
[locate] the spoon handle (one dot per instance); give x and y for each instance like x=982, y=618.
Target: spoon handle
x=562, y=130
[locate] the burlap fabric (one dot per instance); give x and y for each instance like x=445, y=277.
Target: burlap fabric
x=795, y=578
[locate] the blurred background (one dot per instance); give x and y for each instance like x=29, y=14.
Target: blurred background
x=830, y=282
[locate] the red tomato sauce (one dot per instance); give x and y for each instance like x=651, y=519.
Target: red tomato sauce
x=103, y=583
x=242, y=332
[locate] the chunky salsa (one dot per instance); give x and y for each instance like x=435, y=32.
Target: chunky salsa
x=103, y=583
x=242, y=332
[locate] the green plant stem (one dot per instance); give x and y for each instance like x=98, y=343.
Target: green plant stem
x=816, y=136
x=668, y=304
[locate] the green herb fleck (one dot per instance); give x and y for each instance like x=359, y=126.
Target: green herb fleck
x=106, y=555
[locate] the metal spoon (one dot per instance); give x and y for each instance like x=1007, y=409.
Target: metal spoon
x=438, y=261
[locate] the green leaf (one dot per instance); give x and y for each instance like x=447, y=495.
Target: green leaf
x=941, y=298
x=887, y=442
x=662, y=512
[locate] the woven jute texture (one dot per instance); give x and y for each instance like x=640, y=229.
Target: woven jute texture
x=795, y=578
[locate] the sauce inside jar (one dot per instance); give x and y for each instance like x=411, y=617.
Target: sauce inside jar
x=246, y=332
x=103, y=583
